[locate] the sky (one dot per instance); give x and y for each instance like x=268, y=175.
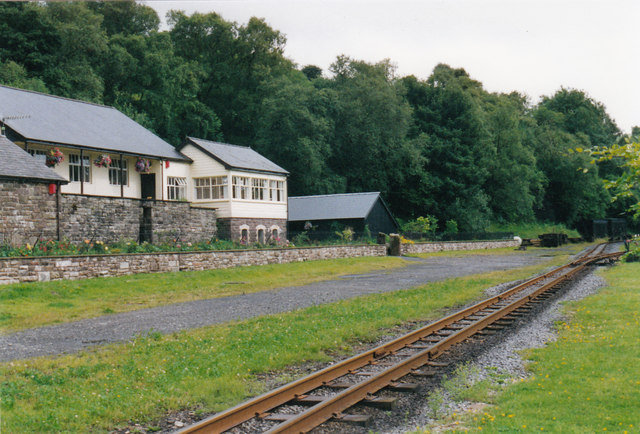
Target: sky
x=534, y=47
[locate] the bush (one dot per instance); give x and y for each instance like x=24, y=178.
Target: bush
x=421, y=225
x=633, y=255
x=451, y=227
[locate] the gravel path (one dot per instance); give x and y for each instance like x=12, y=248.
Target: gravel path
x=76, y=336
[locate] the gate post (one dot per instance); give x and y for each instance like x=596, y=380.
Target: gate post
x=394, y=245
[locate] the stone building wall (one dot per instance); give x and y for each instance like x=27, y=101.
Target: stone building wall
x=96, y=218
x=111, y=219
x=231, y=228
x=455, y=245
x=13, y=270
x=181, y=221
x=27, y=211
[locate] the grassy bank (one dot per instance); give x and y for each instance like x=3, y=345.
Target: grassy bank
x=532, y=230
x=214, y=367
x=589, y=379
x=40, y=303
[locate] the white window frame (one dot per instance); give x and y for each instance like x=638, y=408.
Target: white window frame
x=114, y=172
x=39, y=154
x=76, y=169
x=241, y=185
x=211, y=188
x=276, y=190
x=259, y=188
x=176, y=188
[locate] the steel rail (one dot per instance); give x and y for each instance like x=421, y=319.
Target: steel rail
x=241, y=413
x=334, y=406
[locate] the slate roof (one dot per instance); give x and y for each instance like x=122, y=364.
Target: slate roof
x=17, y=163
x=236, y=157
x=332, y=206
x=63, y=121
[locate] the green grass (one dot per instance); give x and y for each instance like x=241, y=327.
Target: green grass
x=211, y=368
x=532, y=230
x=589, y=379
x=41, y=303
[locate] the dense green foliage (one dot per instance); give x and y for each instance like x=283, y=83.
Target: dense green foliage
x=443, y=146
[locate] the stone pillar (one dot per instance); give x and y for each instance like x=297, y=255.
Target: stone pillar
x=394, y=245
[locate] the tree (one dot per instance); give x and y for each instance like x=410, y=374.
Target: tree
x=454, y=144
x=126, y=17
x=312, y=72
x=371, y=120
x=295, y=130
x=627, y=186
x=514, y=183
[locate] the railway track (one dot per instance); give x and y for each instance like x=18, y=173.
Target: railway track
x=329, y=393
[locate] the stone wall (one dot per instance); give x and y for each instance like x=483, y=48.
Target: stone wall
x=231, y=228
x=455, y=245
x=181, y=221
x=27, y=211
x=13, y=270
x=110, y=219
x=95, y=218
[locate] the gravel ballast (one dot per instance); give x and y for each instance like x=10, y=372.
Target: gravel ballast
x=503, y=357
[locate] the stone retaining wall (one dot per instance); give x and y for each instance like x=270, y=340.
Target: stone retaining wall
x=455, y=245
x=13, y=270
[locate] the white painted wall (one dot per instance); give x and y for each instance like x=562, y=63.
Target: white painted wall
x=203, y=166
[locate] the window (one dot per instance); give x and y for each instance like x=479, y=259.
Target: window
x=258, y=189
x=211, y=188
x=276, y=191
x=116, y=177
x=261, y=236
x=39, y=155
x=240, y=187
x=79, y=172
x=176, y=188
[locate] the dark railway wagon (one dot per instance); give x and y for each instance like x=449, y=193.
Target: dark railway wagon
x=611, y=228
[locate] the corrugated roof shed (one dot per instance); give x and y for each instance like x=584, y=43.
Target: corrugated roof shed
x=236, y=157
x=332, y=206
x=64, y=121
x=16, y=163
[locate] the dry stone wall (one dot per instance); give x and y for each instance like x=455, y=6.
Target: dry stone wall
x=13, y=270
x=407, y=249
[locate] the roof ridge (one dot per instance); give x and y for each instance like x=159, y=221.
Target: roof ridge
x=59, y=97
x=335, y=194
x=220, y=143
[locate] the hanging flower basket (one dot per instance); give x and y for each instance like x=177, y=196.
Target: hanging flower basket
x=54, y=156
x=102, y=161
x=143, y=165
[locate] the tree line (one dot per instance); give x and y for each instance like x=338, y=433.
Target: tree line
x=440, y=146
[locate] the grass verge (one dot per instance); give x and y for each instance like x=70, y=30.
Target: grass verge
x=41, y=303
x=586, y=381
x=532, y=230
x=214, y=367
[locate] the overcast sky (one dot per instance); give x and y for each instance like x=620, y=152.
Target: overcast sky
x=533, y=47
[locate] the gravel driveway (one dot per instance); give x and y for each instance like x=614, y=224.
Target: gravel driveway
x=76, y=336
